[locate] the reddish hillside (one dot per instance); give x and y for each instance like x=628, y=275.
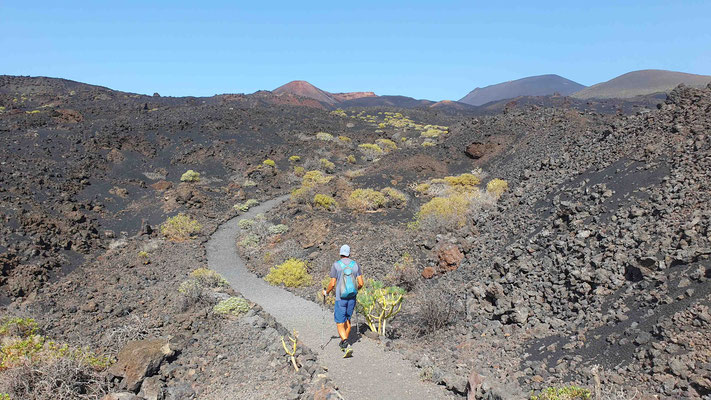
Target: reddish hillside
x=305, y=89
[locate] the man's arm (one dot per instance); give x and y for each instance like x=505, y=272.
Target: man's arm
x=330, y=287
x=360, y=281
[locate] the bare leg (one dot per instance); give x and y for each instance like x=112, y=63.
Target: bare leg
x=348, y=328
x=342, y=331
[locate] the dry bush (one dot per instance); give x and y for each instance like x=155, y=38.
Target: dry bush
x=57, y=379
x=134, y=328
x=405, y=273
x=436, y=311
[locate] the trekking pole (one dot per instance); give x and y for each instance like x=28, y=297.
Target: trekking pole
x=323, y=321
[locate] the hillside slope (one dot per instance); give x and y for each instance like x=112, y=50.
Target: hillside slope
x=639, y=83
x=540, y=85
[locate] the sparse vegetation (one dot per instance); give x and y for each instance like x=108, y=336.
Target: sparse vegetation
x=190, y=176
x=344, y=139
x=386, y=145
x=325, y=136
x=291, y=273
x=246, y=205
x=351, y=159
x=395, y=198
x=463, y=182
x=370, y=150
x=324, y=201
x=299, y=170
x=245, y=223
x=294, y=158
x=17, y=326
x=180, y=227
x=563, y=393
x=448, y=212
x=143, y=256
x=366, y=200
x=278, y=229
x=234, y=306
x=327, y=165
x=497, y=187
x=209, y=278
x=313, y=178
x=249, y=183
x=339, y=112
x=291, y=350
x=269, y=163
x=249, y=240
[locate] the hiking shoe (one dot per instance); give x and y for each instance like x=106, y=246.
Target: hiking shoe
x=343, y=345
x=348, y=352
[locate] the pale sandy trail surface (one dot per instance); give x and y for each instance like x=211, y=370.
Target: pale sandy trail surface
x=372, y=373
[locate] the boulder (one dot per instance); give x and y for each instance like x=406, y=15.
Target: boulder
x=449, y=257
x=138, y=360
x=428, y=272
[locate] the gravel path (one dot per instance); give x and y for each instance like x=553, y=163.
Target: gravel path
x=372, y=373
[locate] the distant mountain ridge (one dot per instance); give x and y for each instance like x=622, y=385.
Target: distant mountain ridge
x=541, y=85
x=305, y=89
x=640, y=83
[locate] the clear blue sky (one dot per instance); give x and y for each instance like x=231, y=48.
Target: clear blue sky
x=424, y=49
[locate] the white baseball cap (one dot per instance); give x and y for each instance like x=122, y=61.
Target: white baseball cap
x=345, y=250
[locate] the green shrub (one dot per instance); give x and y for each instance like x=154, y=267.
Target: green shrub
x=386, y=144
x=327, y=165
x=249, y=240
x=278, y=229
x=463, y=182
x=245, y=224
x=16, y=326
x=339, y=113
x=234, y=306
x=315, y=177
x=291, y=273
x=449, y=211
x=324, y=201
x=427, y=143
x=294, y=158
x=249, y=183
x=325, y=136
x=36, y=349
x=497, y=187
x=190, y=176
x=422, y=188
x=180, y=227
x=370, y=150
x=395, y=198
x=351, y=159
x=269, y=162
x=299, y=170
x=366, y=200
x=301, y=195
x=379, y=304
x=565, y=393
x=344, y=139
x=246, y=205
x=209, y=278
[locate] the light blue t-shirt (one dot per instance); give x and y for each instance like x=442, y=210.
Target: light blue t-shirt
x=337, y=272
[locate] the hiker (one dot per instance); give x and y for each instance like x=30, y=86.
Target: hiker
x=346, y=280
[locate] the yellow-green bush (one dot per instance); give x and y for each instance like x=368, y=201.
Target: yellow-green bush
x=497, y=187
x=462, y=182
x=294, y=158
x=339, y=112
x=451, y=211
x=351, y=159
x=17, y=326
x=245, y=223
x=422, y=188
x=190, y=176
x=180, y=227
x=299, y=170
x=386, y=144
x=327, y=165
x=315, y=177
x=428, y=144
x=366, y=199
x=246, y=205
x=209, y=278
x=291, y=273
x=301, y=195
x=370, y=150
x=234, y=306
x=249, y=240
x=324, y=201
x=344, y=139
x=36, y=349
x=269, y=162
x=325, y=136
x=564, y=393
x=395, y=198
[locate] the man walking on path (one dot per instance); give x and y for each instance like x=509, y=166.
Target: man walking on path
x=346, y=280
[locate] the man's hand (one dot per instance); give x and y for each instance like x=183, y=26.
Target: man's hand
x=324, y=293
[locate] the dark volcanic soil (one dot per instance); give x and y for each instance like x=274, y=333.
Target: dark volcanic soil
x=593, y=268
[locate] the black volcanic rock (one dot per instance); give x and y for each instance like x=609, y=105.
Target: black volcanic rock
x=541, y=85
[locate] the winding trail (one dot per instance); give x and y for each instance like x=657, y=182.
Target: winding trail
x=372, y=373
